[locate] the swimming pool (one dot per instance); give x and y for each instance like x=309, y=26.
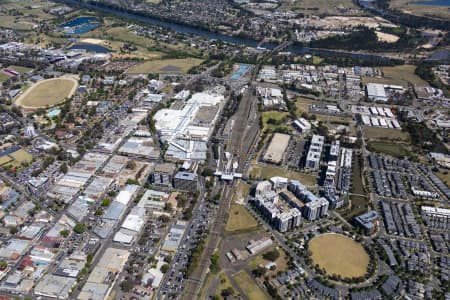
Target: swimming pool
x=53, y=113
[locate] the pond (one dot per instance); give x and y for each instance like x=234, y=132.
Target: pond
x=80, y=25
x=90, y=48
x=434, y=2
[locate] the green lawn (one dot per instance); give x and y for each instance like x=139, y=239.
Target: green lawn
x=3, y=77
x=21, y=69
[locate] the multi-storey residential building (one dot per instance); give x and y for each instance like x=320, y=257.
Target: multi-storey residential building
x=314, y=153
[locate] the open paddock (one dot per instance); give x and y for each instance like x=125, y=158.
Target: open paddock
x=240, y=219
x=251, y=290
x=373, y=133
x=266, y=172
x=389, y=148
x=177, y=66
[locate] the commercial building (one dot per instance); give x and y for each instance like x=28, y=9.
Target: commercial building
x=131, y=226
x=277, y=147
x=186, y=123
x=376, y=92
x=441, y=159
x=53, y=286
x=163, y=174
x=257, y=246
x=314, y=153
x=185, y=181
x=104, y=275
x=368, y=221
x=174, y=236
x=302, y=125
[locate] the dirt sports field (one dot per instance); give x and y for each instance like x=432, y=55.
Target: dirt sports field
x=339, y=255
x=47, y=92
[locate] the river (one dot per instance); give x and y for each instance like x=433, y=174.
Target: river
x=187, y=29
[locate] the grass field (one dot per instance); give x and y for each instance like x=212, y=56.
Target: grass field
x=3, y=77
x=408, y=6
x=224, y=284
x=303, y=104
x=275, y=115
x=241, y=192
x=165, y=66
x=390, y=148
x=240, y=219
x=315, y=7
x=373, y=133
x=398, y=75
x=339, y=255
x=444, y=177
x=266, y=172
x=21, y=156
x=4, y=160
x=25, y=17
x=16, y=159
x=249, y=286
x=357, y=206
x=21, y=69
x=282, y=262
x=357, y=184
x=48, y=92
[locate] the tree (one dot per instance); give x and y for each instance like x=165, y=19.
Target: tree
x=164, y=218
x=207, y=172
x=126, y=285
x=79, y=228
x=13, y=230
x=227, y=292
x=3, y=265
x=259, y=271
x=168, y=207
x=215, y=262
x=131, y=164
x=272, y=255
x=63, y=168
x=106, y=202
x=64, y=233
x=164, y=268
